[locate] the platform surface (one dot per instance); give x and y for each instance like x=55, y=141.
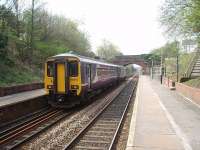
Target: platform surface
x=20, y=97
x=163, y=120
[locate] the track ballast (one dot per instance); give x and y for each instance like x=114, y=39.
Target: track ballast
x=101, y=132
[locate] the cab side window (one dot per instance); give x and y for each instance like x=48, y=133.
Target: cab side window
x=50, y=69
x=73, y=69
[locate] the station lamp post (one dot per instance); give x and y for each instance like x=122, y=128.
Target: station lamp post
x=152, y=64
x=177, y=61
x=177, y=67
x=161, y=66
x=151, y=59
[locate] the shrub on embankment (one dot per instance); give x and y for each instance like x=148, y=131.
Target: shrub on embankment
x=28, y=36
x=168, y=53
x=193, y=82
x=14, y=74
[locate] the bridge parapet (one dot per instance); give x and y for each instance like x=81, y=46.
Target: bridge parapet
x=132, y=59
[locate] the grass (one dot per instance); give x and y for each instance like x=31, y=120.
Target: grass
x=184, y=61
x=14, y=72
x=18, y=74
x=193, y=82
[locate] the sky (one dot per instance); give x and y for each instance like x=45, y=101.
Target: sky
x=132, y=25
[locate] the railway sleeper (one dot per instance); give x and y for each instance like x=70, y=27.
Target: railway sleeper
x=99, y=133
x=88, y=148
x=95, y=137
x=112, y=114
x=115, y=109
x=110, y=119
x=94, y=143
x=102, y=129
x=107, y=122
x=113, y=125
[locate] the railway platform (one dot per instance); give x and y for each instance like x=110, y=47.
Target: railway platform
x=20, y=97
x=162, y=119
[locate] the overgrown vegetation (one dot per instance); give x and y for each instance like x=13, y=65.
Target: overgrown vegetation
x=180, y=18
x=29, y=34
x=193, y=82
x=169, y=53
x=108, y=50
x=12, y=75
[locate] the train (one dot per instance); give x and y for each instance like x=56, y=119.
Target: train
x=70, y=78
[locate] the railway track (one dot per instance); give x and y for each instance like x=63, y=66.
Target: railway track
x=101, y=132
x=15, y=136
x=23, y=119
x=18, y=134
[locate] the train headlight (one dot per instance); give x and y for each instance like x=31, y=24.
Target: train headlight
x=74, y=86
x=49, y=86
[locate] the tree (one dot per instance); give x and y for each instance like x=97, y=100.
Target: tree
x=16, y=6
x=194, y=17
x=61, y=32
x=108, y=50
x=32, y=25
x=34, y=34
x=7, y=22
x=29, y=34
x=168, y=50
x=181, y=17
x=174, y=16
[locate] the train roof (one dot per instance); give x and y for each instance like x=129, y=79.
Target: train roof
x=85, y=59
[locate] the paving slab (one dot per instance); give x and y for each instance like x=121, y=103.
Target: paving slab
x=150, y=128
x=20, y=97
x=185, y=114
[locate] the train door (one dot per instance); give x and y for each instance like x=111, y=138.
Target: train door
x=88, y=72
x=60, y=77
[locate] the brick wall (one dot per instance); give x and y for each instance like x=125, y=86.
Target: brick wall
x=187, y=91
x=20, y=88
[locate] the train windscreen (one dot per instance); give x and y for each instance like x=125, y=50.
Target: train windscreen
x=73, y=69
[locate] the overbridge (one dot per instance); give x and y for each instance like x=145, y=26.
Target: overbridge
x=131, y=59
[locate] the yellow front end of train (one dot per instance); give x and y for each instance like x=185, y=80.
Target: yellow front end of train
x=62, y=77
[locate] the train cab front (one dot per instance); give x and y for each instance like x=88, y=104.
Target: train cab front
x=63, y=81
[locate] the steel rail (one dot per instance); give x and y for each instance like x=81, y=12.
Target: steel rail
x=122, y=118
x=36, y=132
x=72, y=142
x=23, y=121
x=16, y=132
x=95, y=118
x=29, y=116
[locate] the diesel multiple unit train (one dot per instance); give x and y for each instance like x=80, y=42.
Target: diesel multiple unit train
x=69, y=78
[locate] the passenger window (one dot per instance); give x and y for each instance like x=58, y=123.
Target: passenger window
x=50, y=69
x=73, y=69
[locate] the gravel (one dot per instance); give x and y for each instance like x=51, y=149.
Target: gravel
x=123, y=135
x=60, y=134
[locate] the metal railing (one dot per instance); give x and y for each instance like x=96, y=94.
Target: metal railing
x=192, y=63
